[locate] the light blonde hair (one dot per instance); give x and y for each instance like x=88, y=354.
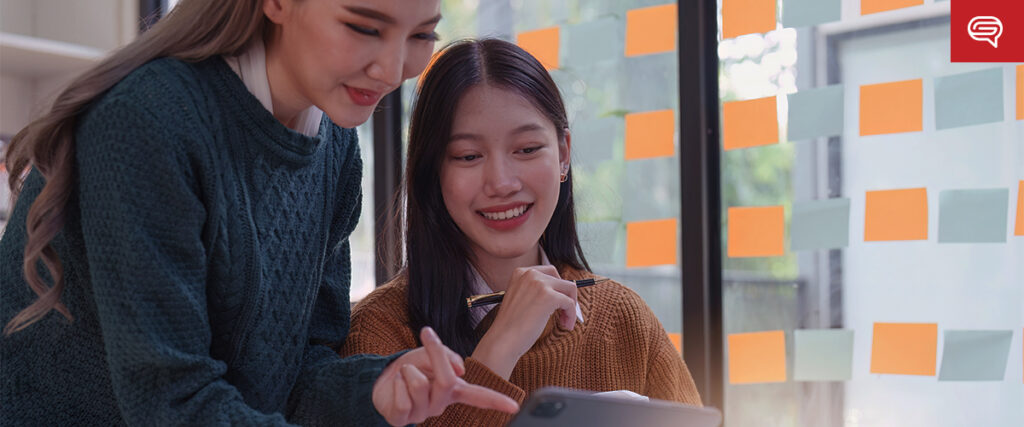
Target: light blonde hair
x=193, y=31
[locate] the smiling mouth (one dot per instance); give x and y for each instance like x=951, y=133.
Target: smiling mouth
x=363, y=97
x=507, y=214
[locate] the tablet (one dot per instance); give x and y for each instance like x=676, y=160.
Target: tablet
x=554, y=406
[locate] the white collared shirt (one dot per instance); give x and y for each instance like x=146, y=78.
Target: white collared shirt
x=251, y=67
x=479, y=287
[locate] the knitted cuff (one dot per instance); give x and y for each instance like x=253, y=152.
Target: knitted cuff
x=478, y=373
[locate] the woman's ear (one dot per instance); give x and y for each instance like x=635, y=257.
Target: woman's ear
x=277, y=10
x=564, y=151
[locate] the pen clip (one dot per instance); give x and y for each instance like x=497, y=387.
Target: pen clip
x=478, y=300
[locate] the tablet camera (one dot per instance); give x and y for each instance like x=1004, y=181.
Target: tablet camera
x=548, y=409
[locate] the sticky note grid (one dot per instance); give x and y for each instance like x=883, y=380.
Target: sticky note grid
x=963, y=216
x=965, y=99
x=896, y=349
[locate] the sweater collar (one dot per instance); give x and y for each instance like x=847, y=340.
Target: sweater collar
x=251, y=67
x=288, y=144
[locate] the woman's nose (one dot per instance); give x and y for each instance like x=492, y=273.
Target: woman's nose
x=501, y=179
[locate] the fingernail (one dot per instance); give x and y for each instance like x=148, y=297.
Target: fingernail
x=430, y=332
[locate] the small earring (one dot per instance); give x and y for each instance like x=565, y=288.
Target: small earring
x=565, y=174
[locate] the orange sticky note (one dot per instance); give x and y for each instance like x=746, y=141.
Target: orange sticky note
x=891, y=107
x=542, y=44
x=1019, y=231
x=650, y=243
x=741, y=17
x=651, y=30
x=756, y=231
x=896, y=215
x=677, y=341
x=757, y=357
x=749, y=123
x=1020, y=92
x=649, y=134
x=904, y=348
x=875, y=6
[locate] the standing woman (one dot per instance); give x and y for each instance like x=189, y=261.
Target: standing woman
x=178, y=250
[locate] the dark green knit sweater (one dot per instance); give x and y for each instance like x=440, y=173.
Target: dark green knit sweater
x=207, y=267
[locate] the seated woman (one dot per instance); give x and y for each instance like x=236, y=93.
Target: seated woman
x=489, y=208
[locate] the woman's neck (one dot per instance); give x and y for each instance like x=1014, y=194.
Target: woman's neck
x=287, y=101
x=498, y=271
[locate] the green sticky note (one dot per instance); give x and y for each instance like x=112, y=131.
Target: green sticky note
x=594, y=141
x=803, y=13
x=651, y=190
x=975, y=355
x=820, y=224
x=599, y=40
x=603, y=243
x=815, y=113
x=973, y=216
x=969, y=98
x=822, y=354
x=650, y=82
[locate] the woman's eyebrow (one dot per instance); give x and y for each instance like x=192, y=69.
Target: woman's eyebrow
x=431, y=21
x=529, y=127
x=464, y=135
x=372, y=14
x=385, y=18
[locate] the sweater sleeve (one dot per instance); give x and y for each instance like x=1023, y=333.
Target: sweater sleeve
x=465, y=415
x=143, y=219
x=331, y=390
x=378, y=327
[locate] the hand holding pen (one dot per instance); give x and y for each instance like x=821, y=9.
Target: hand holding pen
x=533, y=294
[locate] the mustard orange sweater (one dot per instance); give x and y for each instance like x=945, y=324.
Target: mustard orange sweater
x=620, y=345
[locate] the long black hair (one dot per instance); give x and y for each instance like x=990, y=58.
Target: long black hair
x=437, y=253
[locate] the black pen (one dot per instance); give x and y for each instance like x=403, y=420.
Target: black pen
x=488, y=299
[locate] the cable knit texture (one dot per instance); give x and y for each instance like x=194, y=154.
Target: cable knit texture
x=621, y=345
x=207, y=267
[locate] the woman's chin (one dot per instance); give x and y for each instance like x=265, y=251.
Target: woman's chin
x=511, y=252
x=350, y=117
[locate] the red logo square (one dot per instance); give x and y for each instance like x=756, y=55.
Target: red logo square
x=986, y=31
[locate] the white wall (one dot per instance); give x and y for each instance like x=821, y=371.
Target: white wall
x=97, y=24
x=103, y=24
x=959, y=286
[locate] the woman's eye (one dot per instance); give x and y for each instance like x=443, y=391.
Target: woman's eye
x=530, y=150
x=430, y=37
x=366, y=31
x=468, y=158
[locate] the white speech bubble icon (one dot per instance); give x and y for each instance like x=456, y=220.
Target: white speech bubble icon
x=986, y=29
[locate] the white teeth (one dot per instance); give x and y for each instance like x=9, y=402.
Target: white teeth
x=509, y=214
